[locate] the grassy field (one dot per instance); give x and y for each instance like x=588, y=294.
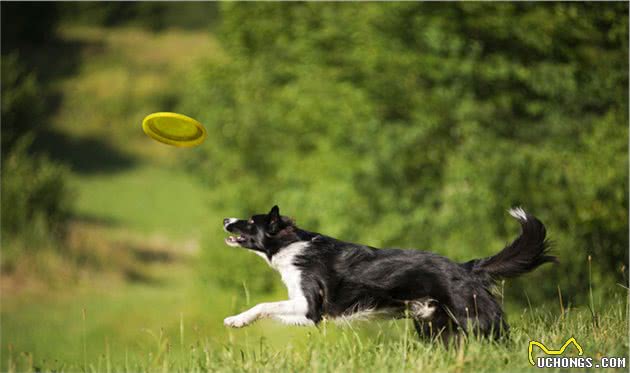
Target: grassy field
x=177, y=343
x=138, y=215
x=140, y=306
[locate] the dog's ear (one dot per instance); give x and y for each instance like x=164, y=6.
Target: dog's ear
x=274, y=218
x=274, y=213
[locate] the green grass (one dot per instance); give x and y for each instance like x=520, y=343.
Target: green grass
x=146, y=199
x=130, y=180
x=123, y=178
x=132, y=197
x=184, y=333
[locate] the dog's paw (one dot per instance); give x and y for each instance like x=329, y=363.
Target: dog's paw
x=237, y=321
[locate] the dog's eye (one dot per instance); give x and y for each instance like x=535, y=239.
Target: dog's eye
x=251, y=221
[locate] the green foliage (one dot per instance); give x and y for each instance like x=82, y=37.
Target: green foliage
x=151, y=14
x=419, y=124
x=27, y=23
x=36, y=201
x=22, y=107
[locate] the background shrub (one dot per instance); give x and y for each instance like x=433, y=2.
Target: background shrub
x=36, y=198
x=151, y=14
x=22, y=107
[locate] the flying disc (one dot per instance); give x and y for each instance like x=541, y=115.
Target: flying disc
x=174, y=129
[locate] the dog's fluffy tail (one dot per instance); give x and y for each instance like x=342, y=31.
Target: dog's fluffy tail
x=523, y=255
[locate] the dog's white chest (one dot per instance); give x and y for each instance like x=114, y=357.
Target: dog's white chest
x=291, y=275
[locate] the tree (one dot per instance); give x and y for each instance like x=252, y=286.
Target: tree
x=419, y=124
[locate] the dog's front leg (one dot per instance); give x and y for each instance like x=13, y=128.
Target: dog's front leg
x=293, y=310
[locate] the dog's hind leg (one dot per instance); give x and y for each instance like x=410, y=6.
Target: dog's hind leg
x=441, y=326
x=429, y=318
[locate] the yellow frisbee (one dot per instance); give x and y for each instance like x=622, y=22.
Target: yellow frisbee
x=174, y=129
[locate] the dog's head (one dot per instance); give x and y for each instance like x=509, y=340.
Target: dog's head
x=265, y=233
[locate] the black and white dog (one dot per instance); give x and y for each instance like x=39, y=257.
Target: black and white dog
x=326, y=277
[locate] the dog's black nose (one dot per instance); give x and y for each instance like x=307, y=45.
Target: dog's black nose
x=226, y=221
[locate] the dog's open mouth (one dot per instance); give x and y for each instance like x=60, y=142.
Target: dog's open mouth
x=235, y=240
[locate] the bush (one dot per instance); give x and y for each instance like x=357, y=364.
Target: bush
x=27, y=24
x=22, y=106
x=36, y=199
x=419, y=124
x=153, y=15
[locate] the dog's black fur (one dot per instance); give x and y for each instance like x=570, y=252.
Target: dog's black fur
x=339, y=278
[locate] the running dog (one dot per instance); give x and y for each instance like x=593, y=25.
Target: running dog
x=330, y=278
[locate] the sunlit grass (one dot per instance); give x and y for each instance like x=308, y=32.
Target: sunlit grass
x=122, y=333
x=146, y=198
